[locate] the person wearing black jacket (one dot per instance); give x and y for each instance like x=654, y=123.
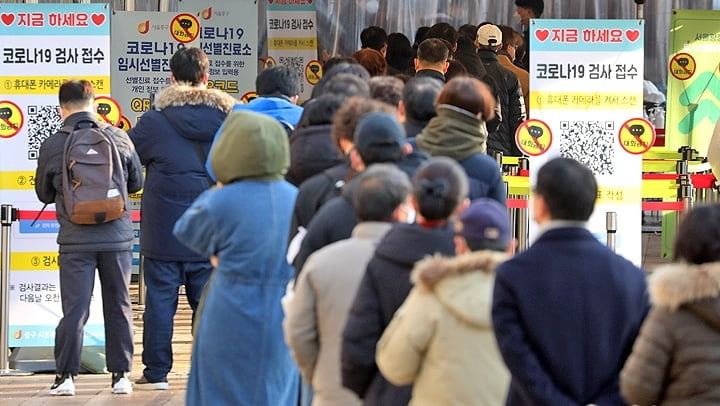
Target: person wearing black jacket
x=507, y=89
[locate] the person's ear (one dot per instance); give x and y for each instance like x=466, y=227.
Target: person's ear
x=355, y=161
x=407, y=149
x=461, y=246
x=205, y=79
x=172, y=79
x=416, y=62
x=445, y=67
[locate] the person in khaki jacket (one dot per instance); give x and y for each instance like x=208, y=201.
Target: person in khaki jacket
x=441, y=339
x=676, y=357
x=326, y=287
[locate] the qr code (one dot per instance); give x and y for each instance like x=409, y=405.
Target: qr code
x=297, y=63
x=43, y=121
x=591, y=143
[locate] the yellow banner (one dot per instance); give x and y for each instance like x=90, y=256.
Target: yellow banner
x=33, y=261
x=309, y=43
x=619, y=195
x=17, y=180
x=34, y=85
x=585, y=101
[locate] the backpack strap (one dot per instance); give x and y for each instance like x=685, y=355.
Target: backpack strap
x=199, y=151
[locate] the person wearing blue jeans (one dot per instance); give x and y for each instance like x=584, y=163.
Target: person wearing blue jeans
x=172, y=141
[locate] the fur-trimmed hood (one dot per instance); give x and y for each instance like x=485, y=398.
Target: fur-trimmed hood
x=180, y=95
x=690, y=286
x=463, y=284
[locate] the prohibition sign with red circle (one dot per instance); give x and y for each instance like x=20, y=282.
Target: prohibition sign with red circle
x=184, y=28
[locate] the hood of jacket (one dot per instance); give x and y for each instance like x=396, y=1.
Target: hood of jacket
x=458, y=283
x=690, y=286
x=191, y=123
x=454, y=133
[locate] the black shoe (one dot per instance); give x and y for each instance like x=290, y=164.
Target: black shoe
x=144, y=383
x=64, y=385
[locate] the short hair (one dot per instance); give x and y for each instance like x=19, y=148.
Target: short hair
x=387, y=89
x=352, y=68
x=469, y=94
x=698, y=236
x=439, y=185
x=76, y=94
x=420, y=35
x=468, y=31
x=444, y=31
x=372, y=60
x=433, y=50
x=373, y=37
x=321, y=110
x=568, y=188
x=345, y=84
x=189, y=65
x=279, y=80
x=419, y=96
x=508, y=35
x=378, y=191
x=455, y=69
x=350, y=113
x=399, y=52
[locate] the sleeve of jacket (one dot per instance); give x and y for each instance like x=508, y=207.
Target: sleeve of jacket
x=362, y=331
x=403, y=345
x=300, y=324
x=517, y=103
x=134, y=170
x=144, y=136
x=46, y=171
x=644, y=375
x=523, y=364
x=196, y=228
x=498, y=189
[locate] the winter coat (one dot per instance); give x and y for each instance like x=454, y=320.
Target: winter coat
x=441, y=340
x=458, y=134
x=522, y=75
x=311, y=152
x=116, y=235
x=566, y=312
x=383, y=289
x=317, y=314
x=167, y=141
x=316, y=191
x=676, y=357
x=512, y=105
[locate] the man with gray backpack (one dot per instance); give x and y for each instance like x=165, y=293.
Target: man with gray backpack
x=87, y=169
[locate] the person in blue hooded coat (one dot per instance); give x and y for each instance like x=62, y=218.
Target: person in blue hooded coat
x=239, y=355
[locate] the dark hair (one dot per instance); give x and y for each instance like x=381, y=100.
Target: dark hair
x=76, y=93
x=444, y=31
x=399, y=52
x=568, y=188
x=353, y=68
x=439, y=185
x=387, y=89
x=433, y=50
x=468, y=31
x=507, y=35
x=373, y=37
x=419, y=98
x=698, y=236
x=349, y=114
x=189, y=65
x=321, y=110
x=279, y=80
x=469, y=94
x=378, y=191
x=372, y=60
x=337, y=60
x=347, y=85
x=420, y=36
x=455, y=69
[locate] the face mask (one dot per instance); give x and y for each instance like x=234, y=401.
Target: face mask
x=517, y=20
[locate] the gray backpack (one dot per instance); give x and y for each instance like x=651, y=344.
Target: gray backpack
x=93, y=181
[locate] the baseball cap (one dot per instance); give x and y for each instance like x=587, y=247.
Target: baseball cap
x=489, y=34
x=485, y=225
x=379, y=138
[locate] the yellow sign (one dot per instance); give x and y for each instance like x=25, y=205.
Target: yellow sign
x=533, y=137
x=682, y=66
x=313, y=72
x=269, y=62
x=248, y=97
x=124, y=123
x=26, y=85
x=556, y=100
x=17, y=180
x=636, y=136
x=34, y=261
x=108, y=110
x=11, y=119
x=184, y=28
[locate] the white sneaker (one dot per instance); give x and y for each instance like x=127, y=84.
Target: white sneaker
x=121, y=384
x=63, y=386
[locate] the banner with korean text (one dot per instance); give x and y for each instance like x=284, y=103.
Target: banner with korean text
x=42, y=45
x=586, y=81
x=292, y=40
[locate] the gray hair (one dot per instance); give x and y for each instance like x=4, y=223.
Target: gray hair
x=378, y=191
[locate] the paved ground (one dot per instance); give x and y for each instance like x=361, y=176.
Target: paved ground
x=95, y=389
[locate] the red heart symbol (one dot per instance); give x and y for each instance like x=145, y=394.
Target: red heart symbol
x=541, y=35
x=98, y=19
x=632, y=35
x=7, y=19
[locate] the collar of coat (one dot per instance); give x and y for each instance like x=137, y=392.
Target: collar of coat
x=179, y=95
x=676, y=284
x=432, y=270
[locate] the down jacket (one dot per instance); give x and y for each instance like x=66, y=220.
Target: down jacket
x=442, y=337
x=676, y=357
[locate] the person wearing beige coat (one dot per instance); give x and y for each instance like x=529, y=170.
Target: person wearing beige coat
x=442, y=339
x=676, y=357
